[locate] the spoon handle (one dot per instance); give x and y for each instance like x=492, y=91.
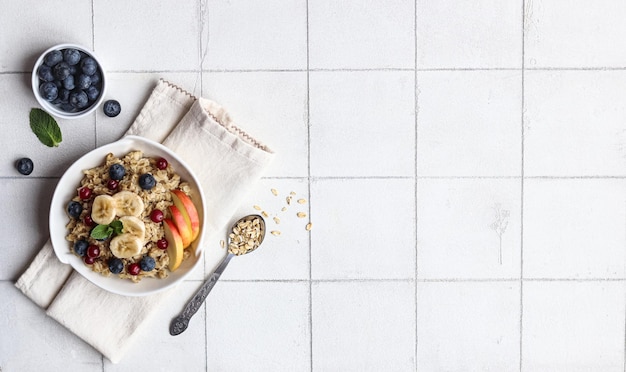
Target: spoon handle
x=180, y=323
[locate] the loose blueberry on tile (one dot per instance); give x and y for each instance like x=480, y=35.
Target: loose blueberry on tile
x=80, y=247
x=45, y=73
x=71, y=56
x=147, y=263
x=24, y=166
x=117, y=171
x=147, y=181
x=53, y=58
x=112, y=108
x=49, y=91
x=116, y=265
x=74, y=209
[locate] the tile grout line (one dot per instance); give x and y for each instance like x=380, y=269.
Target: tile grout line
x=415, y=178
x=308, y=129
x=521, y=278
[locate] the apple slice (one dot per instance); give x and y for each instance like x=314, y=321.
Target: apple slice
x=188, y=209
x=174, y=244
x=183, y=229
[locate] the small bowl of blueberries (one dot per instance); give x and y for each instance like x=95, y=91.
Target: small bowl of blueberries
x=69, y=81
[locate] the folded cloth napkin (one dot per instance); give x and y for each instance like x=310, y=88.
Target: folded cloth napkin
x=225, y=159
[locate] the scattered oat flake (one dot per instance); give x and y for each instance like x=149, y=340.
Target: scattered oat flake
x=222, y=243
x=284, y=209
x=264, y=214
x=277, y=220
x=301, y=214
x=257, y=207
x=275, y=232
x=309, y=226
x=292, y=193
x=289, y=200
x=302, y=201
x=275, y=192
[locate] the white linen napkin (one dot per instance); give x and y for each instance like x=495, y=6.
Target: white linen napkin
x=225, y=159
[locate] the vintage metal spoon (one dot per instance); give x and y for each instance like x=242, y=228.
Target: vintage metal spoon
x=245, y=236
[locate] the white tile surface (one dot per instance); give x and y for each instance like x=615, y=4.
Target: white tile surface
x=366, y=326
x=258, y=326
x=573, y=326
x=574, y=123
x=32, y=341
x=18, y=197
x=362, y=123
x=468, y=228
x=25, y=36
x=430, y=136
x=256, y=35
x=472, y=34
x=574, y=228
x=271, y=106
x=559, y=33
x=380, y=246
x=17, y=101
x=471, y=326
x=469, y=123
x=165, y=38
x=361, y=34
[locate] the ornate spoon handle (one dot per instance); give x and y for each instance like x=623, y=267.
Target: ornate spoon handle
x=180, y=323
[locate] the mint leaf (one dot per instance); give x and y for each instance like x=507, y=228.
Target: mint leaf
x=101, y=232
x=116, y=226
x=45, y=127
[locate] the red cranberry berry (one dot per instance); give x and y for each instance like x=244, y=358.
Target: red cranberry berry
x=161, y=163
x=156, y=216
x=112, y=184
x=89, y=260
x=162, y=244
x=134, y=269
x=88, y=221
x=84, y=193
x=93, y=251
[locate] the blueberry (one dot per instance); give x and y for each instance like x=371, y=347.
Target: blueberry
x=112, y=108
x=80, y=247
x=73, y=70
x=78, y=99
x=64, y=96
x=49, y=91
x=89, y=66
x=95, y=78
x=68, y=82
x=71, y=56
x=146, y=181
x=74, y=209
x=92, y=93
x=24, y=166
x=53, y=58
x=83, y=81
x=116, y=265
x=61, y=70
x=67, y=107
x=147, y=263
x=45, y=73
x=117, y=172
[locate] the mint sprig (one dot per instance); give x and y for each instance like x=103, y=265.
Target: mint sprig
x=45, y=128
x=102, y=232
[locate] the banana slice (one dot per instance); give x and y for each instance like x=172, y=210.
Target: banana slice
x=125, y=245
x=103, y=209
x=128, y=204
x=134, y=226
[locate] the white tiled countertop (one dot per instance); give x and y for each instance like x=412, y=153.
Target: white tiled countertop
x=464, y=163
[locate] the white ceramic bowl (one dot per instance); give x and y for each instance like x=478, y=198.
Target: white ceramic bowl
x=56, y=110
x=66, y=190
